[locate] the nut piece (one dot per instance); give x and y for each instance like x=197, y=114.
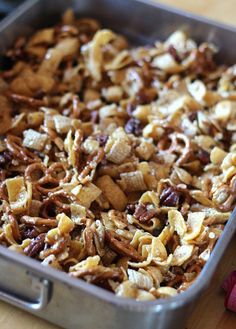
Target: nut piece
x=170, y=197
x=143, y=214
x=35, y=246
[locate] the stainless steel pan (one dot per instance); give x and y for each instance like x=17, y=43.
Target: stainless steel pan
x=54, y=295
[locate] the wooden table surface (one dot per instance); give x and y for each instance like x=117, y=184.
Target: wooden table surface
x=210, y=312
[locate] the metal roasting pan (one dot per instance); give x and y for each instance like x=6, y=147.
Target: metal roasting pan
x=52, y=294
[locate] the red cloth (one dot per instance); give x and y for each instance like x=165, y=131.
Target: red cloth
x=229, y=287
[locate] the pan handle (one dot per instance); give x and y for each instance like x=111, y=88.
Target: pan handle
x=44, y=287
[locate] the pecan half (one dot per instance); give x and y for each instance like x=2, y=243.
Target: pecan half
x=122, y=246
x=143, y=214
x=170, y=197
x=29, y=232
x=35, y=246
x=204, y=156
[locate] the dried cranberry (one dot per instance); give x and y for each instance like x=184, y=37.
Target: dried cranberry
x=193, y=116
x=84, y=38
x=133, y=126
x=203, y=156
x=5, y=159
x=130, y=208
x=170, y=197
x=39, y=93
x=102, y=139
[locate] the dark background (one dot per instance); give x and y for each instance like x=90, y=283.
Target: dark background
x=6, y=6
